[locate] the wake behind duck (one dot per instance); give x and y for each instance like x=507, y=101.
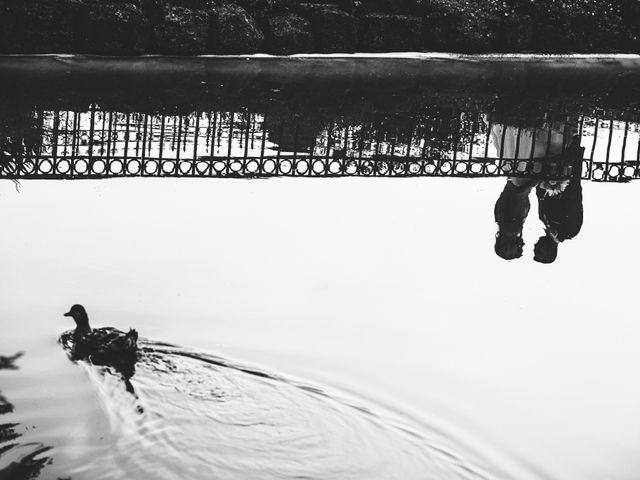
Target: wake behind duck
x=208, y=417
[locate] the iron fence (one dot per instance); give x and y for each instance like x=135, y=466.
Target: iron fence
x=103, y=144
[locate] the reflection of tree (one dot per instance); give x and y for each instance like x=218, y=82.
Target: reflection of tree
x=29, y=460
x=510, y=212
x=21, y=138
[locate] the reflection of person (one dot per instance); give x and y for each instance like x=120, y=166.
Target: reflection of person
x=562, y=212
x=523, y=143
x=559, y=202
x=510, y=212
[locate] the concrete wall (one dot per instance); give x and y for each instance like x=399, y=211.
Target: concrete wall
x=193, y=27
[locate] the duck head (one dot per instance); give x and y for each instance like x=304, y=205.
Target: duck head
x=79, y=315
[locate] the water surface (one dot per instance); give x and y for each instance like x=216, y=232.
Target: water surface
x=386, y=291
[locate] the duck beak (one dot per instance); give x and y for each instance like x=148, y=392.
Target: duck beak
x=68, y=314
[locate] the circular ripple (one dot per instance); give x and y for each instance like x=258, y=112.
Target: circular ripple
x=335, y=167
x=168, y=167
x=351, y=167
x=81, y=166
x=116, y=167
x=185, y=167
x=367, y=167
x=202, y=167
x=253, y=166
x=235, y=166
x=285, y=166
x=629, y=171
x=63, y=166
x=318, y=167
x=219, y=167
x=302, y=167
x=614, y=170
x=269, y=167
x=133, y=167
x=98, y=167
x=46, y=166
x=151, y=167
x=382, y=167
x=399, y=168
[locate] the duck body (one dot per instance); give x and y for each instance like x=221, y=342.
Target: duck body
x=104, y=346
x=100, y=346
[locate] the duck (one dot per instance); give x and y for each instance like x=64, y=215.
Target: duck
x=105, y=346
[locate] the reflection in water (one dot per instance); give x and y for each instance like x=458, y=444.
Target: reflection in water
x=18, y=461
x=562, y=215
x=200, y=417
x=435, y=142
x=559, y=202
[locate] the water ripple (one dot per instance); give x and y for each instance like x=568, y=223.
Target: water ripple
x=195, y=416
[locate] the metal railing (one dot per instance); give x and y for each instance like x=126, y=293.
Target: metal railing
x=103, y=144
